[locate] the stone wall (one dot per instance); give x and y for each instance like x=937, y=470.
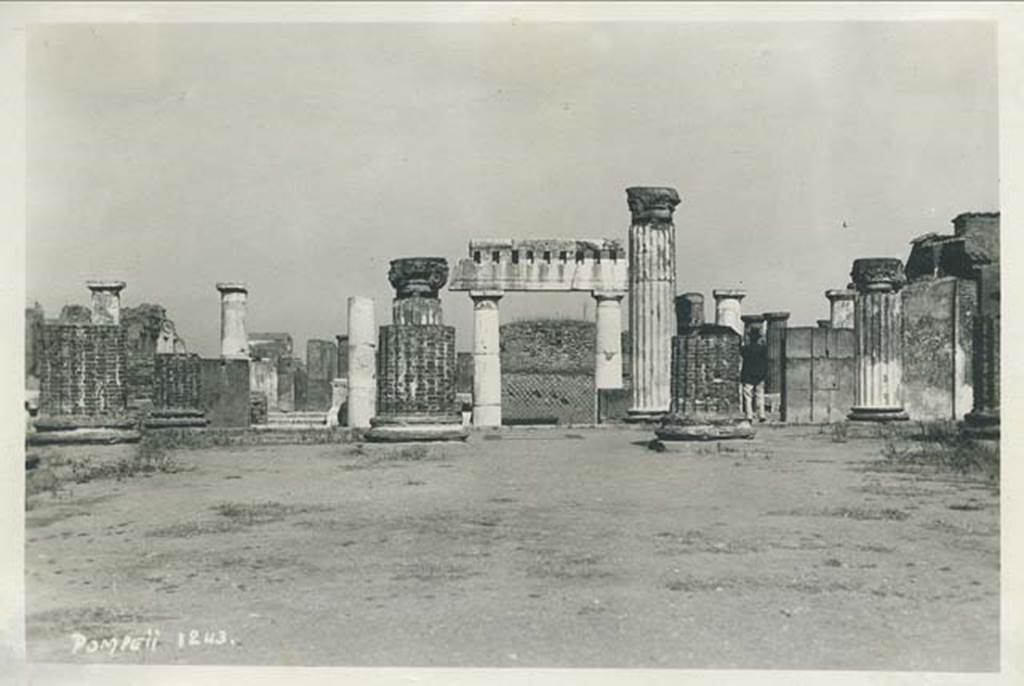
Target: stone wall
x=177, y=381
x=820, y=373
x=706, y=376
x=291, y=384
x=547, y=372
x=321, y=367
x=416, y=370
x=263, y=379
x=938, y=321
x=224, y=392
x=82, y=369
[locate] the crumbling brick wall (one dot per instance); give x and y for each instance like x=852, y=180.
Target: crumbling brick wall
x=177, y=381
x=706, y=371
x=416, y=370
x=142, y=326
x=82, y=369
x=547, y=372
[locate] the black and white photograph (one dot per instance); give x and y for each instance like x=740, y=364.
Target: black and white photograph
x=482, y=341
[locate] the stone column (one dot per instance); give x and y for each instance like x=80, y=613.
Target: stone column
x=486, y=358
x=234, y=342
x=608, y=351
x=983, y=419
x=106, y=301
x=652, y=289
x=728, y=310
x=752, y=322
x=416, y=281
x=689, y=313
x=878, y=324
x=841, y=306
x=775, y=336
x=362, y=362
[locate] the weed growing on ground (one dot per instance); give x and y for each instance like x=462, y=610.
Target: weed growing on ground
x=940, y=444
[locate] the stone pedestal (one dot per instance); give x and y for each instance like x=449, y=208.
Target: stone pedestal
x=234, y=342
x=362, y=363
x=608, y=351
x=652, y=286
x=106, y=301
x=983, y=419
x=689, y=313
x=841, y=307
x=728, y=308
x=416, y=383
x=878, y=325
x=486, y=358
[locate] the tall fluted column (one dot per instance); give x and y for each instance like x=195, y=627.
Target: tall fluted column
x=775, y=336
x=106, y=301
x=608, y=351
x=362, y=362
x=878, y=323
x=728, y=308
x=234, y=342
x=841, y=305
x=689, y=313
x=652, y=289
x=486, y=358
x=983, y=419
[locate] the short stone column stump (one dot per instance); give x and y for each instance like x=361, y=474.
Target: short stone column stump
x=679, y=427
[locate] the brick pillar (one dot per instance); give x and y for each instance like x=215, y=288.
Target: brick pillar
x=362, y=362
x=878, y=324
x=652, y=287
x=841, y=304
x=234, y=342
x=983, y=419
x=728, y=308
x=486, y=358
x=106, y=301
x=608, y=351
x=689, y=313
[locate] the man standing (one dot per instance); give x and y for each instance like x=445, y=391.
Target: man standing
x=753, y=374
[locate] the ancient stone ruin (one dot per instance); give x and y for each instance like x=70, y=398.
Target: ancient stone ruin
x=416, y=360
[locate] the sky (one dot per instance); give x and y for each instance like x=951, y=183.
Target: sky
x=301, y=159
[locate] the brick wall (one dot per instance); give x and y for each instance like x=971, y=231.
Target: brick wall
x=416, y=370
x=142, y=325
x=82, y=369
x=706, y=371
x=177, y=381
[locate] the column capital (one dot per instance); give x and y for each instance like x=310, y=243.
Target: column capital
x=232, y=287
x=776, y=316
x=418, y=276
x=608, y=295
x=652, y=204
x=105, y=285
x=834, y=294
x=728, y=294
x=877, y=274
x=752, y=318
x=494, y=295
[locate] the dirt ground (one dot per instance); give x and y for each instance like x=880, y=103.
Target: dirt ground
x=525, y=548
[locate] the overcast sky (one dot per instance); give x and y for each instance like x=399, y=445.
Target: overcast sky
x=302, y=158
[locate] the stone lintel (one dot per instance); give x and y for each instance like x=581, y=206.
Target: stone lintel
x=545, y=249
x=232, y=287
x=112, y=286
x=583, y=274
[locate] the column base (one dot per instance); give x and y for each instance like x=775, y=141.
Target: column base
x=981, y=425
x=644, y=416
x=677, y=427
x=487, y=415
x=877, y=414
x=409, y=428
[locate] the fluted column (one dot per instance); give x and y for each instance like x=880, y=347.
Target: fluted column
x=486, y=358
x=234, y=342
x=608, y=349
x=652, y=289
x=878, y=324
x=689, y=313
x=775, y=335
x=841, y=305
x=362, y=362
x=728, y=308
x=106, y=301
x=983, y=419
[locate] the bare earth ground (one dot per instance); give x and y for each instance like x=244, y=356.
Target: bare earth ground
x=554, y=548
